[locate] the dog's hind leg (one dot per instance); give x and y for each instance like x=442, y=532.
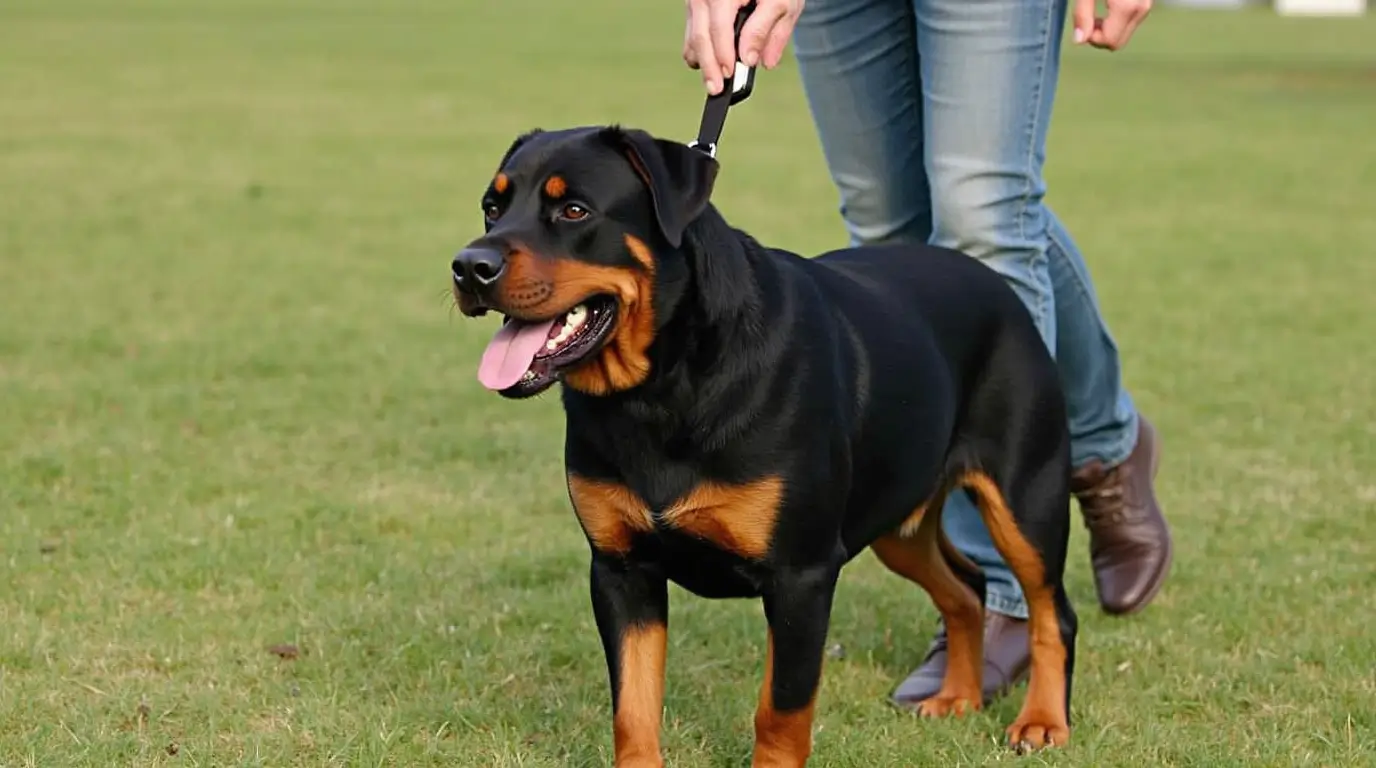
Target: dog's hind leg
x=1043, y=498
x=963, y=567
x=926, y=558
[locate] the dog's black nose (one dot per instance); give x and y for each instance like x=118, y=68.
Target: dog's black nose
x=477, y=267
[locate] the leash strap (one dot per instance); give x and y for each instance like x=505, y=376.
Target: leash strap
x=737, y=90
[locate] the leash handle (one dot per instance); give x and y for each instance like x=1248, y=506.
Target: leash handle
x=735, y=91
x=743, y=78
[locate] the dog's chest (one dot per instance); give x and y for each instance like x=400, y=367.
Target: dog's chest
x=711, y=527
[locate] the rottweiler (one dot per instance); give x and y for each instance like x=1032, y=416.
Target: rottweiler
x=744, y=421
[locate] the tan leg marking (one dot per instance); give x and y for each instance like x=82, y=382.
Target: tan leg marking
x=915, y=554
x=782, y=739
x=640, y=700
x=1042, y=720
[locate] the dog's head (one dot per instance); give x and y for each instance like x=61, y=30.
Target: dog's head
x=582, y=232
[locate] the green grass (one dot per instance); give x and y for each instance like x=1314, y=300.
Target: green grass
x=237, y=410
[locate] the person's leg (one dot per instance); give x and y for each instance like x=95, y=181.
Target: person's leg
x=859, y=65
x=1114, y=449
x=987, y=68
x=989, y=71
x=1103, y=419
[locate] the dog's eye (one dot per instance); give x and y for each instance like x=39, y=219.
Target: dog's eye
x=491, y=211
x=573, y=212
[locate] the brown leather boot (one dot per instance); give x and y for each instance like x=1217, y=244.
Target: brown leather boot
x=1007, y=659
x=1129, y=541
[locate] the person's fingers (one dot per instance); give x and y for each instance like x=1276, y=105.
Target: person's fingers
x=709, y=38
x=781, y=34
x=1084, y=20
x=1132, y=27
x=1123, y=18
x=699, y=43
x=690, y=54
x=1143, y=9
x=1110, y=35
x=723, y=34
x=761, y=28
x=778, y=41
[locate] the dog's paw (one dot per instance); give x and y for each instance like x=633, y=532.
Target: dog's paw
x=944, y=705
x=1029, y=733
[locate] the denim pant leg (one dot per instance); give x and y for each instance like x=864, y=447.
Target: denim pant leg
x=989, y=71
x=859, y=67
x=1103, y=417
x=860, y=71
x=989, y=74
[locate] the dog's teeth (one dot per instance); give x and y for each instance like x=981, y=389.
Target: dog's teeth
x=528, y=376
x=576, y=317
x=573, y=319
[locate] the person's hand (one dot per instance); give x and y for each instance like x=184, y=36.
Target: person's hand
x=1110, y=32
x=709, y=40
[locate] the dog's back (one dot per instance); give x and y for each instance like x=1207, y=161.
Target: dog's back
x=943, y=348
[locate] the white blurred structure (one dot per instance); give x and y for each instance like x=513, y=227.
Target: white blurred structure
x=1321, y=7
x=1282, y=7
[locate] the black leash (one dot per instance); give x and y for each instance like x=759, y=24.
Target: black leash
x=734, y=91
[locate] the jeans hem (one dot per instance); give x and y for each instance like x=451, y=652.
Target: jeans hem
x=1007, y=605
x=1116, y=452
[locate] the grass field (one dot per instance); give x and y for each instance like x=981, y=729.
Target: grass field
x=237, y=410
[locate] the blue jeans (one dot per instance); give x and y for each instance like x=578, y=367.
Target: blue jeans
x=933, y=117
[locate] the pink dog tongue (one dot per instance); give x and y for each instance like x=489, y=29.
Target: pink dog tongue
x=509, y=355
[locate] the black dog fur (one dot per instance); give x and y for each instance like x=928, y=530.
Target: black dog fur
x=744, y=421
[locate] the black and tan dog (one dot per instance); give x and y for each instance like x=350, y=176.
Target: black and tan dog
x=744, y=421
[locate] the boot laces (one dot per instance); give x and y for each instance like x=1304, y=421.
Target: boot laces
x=1106, y=502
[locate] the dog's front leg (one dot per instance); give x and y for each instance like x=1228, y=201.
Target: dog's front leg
x=630, y=601
x=798, y=608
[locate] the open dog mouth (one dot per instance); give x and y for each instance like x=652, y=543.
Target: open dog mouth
x=525, y=358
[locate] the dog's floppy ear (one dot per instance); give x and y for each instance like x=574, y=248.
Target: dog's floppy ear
x=679, y=177
x=515, y=145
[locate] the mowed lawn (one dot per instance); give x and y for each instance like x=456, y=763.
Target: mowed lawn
x=238, y=412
